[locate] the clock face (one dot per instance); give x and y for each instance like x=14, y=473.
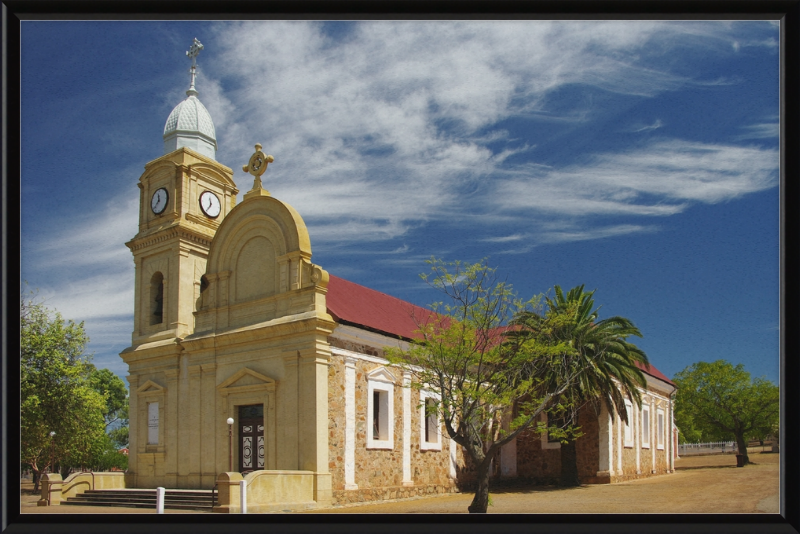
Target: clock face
x=209, y=203
x=159, y=201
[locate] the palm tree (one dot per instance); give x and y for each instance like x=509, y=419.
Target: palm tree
x=601, y=350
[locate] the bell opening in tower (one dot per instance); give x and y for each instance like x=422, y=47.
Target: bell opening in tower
x=157, y=299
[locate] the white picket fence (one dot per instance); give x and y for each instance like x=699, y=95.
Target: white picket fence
x=716, y=447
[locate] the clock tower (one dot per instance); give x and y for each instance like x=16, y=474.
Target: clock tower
x=183, y=197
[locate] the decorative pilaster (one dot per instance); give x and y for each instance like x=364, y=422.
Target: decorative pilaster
x=637, y=437
x=350, y=423
x=133, y=435
x=606, y=463
x=210, y=444
x=653, y=442
x=619, y=446
x=171, y=428
x=407, y=480
x=453, y=460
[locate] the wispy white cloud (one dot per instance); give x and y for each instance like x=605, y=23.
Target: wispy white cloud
x=504, y=239
x=95, y=239
x=391, y=127
x=657, y=180
x=656, y=125
x=760, y=131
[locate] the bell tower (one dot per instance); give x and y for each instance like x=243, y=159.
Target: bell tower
x=183, y=197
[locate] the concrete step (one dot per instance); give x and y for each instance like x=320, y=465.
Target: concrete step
x=138, y=498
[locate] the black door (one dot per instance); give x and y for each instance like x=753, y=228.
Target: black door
x=251, y=437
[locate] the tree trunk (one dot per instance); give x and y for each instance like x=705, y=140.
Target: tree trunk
x=742, y=446
x=569, y=465
x=480, y=503
x=65, y=469
x=37, y=475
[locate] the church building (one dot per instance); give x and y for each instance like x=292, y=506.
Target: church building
x=247, y=358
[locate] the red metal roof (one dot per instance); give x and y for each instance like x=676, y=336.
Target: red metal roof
x=355, y=304
x=352, y=303
x=652, y=371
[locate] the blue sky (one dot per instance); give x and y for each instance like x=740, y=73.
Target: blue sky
x=638, y=158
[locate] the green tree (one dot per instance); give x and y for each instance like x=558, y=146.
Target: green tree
x=116, y=394
x=120, y=434
x=606, y=361
x=55, y=395
x=116, y=413
x=461, y=354
x=723, y=402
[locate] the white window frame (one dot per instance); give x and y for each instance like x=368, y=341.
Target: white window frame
x=424, y=445
x=646, y=422
x=153, y=423
x=660, y=420
x=628, y=430
x=381, y=381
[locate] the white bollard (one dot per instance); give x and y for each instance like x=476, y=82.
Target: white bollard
x=160, y=500
x=243, y=495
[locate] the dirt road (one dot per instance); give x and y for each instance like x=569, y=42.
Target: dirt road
x=706, y=484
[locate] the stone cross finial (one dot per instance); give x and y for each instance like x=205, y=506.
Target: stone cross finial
x=192, y=53
x=257, y=166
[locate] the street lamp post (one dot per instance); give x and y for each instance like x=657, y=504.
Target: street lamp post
x=52, y=460
x=230, y=443
x=52, y=450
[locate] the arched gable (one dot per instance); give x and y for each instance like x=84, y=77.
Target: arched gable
x=259, y=257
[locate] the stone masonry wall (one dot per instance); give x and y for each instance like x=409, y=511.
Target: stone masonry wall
x=379, y=472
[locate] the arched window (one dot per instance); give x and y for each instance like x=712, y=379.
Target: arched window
x=157, y=299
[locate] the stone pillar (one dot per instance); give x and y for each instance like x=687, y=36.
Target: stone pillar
x=313, y=418
x=183, y=293
x=171, y=430
x=653, y=437
x=637, y=437
x=350, y=423
x=51, y=490
x=618, y=422
x=289, y=416
x=138, y=321
x=209, y=437
x=133, y=434
x=670, y=436
x=193, y=409
x=453, y=460
x=407, y=480
x=228, y=494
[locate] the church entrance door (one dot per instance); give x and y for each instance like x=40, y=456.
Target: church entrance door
x=251, y=437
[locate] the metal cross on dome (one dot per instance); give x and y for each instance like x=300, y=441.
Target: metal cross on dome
x=195, y=49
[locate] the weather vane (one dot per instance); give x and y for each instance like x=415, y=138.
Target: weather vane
x=257, y=166
x=192, y=53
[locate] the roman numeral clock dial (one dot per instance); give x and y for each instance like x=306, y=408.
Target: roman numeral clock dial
x=209, y=204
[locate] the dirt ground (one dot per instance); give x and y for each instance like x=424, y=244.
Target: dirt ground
x=701, y=484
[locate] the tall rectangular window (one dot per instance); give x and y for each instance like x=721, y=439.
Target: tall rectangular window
x=660, y=428
x=430, y=422
x=645, y=427
x=380, y=410
x=376, y=414
x=152, y=423
x=629, y=424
